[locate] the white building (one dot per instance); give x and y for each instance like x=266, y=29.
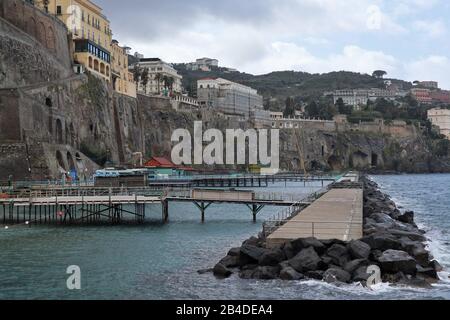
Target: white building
x=441, y=119
x=160, y=73
x=228, y=97
x=203, y=64
x=429, y=84
x=359, y=97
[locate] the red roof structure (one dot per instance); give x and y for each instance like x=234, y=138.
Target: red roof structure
x=160, y=162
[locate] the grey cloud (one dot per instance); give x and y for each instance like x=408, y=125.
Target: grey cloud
x=153, y=19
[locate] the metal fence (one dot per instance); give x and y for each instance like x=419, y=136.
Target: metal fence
x=286, y=214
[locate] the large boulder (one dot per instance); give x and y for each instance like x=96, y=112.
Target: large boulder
x=382, y=241
x=289, y=273
x=221, y=271
x=333, y=275
x=393, y=261
x=289, y=250
x=300, y=244
x=338, y=253
x=407, y=217
x=353, y=265
x=266, y=273
x=234, y=252
x=306, y=260
x=427, y=272
x=251, y=252
x=358, y=249
x=253, y=241
x=316, y=275
x=230, y=261
x=415, y=236
x=360, y=275
x=271, y=258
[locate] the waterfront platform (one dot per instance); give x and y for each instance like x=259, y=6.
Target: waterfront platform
x=338, y=214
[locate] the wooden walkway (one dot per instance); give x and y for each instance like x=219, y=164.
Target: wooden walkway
x=338, y=214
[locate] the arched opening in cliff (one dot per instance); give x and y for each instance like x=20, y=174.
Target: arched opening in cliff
x=59, y=132
x=31, y=27
x=41, y=34
x=60, y=160
x=91, y=63
x=72, y=137
x=51, y=39
x=96, y=64
x=374, y=160
x=107, y=71
x=48, y=102
x=334, y=163
x=70, y=162
x=102, y=68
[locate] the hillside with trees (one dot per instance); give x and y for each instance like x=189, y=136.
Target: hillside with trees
x=277, y=87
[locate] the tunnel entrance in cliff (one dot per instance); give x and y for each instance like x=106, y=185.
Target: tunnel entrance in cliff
x=374, y=160
x=334, y=163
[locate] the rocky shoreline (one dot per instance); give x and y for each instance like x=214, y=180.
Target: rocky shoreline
x=392, y=241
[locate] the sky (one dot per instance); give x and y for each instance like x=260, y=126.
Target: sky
x=407, y=38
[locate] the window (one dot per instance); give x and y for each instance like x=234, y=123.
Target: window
x=58, y=10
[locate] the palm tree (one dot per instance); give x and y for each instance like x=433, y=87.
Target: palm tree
x=144, y=79
x=158, y=78
x=136, y=74
x=170, y=83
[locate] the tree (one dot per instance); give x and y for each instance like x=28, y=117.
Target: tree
x=136, y=74
x=342, y=108
x=144, y=79
x=379, y=74
x=158, y=78
x=312, y=110
x=289, y=110
x=170, y=82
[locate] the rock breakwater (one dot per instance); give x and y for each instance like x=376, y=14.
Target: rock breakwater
x=392, y=242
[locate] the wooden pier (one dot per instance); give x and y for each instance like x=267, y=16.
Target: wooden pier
x=253, y=181
x=338, y=214
x=109, y=205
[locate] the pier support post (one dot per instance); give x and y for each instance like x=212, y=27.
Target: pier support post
x=255, y=209
x=202, y=206
x=165, y=210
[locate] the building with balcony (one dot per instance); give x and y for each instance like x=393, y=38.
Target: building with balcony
x=90, y=31
x=122, y=78
x=422, y=95
x=441, y=119
x=163, y=79
x=228, y=97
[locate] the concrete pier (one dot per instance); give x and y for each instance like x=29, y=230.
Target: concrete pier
x=338, y=214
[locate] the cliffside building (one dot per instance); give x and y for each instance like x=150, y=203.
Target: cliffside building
x=122, y=78
x=360, y=97
x=441, y=119
x=90, y=31
x=203, y=64
x=163, y=78
x=229, y=97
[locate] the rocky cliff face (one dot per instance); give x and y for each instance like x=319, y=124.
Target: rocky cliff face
x=358, y=150
x=53, y=121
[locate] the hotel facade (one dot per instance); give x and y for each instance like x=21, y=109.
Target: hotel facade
x=229, y=97
x=92, y=40
x=440, y=118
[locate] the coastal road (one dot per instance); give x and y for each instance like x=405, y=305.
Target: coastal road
x=338, y=214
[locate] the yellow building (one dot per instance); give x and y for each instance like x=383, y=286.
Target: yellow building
x=90, y=31
x=122, y=78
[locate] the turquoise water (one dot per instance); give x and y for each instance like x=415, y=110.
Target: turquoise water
x=158, y=261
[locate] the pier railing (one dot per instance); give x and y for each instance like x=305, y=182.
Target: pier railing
x=286, y=214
